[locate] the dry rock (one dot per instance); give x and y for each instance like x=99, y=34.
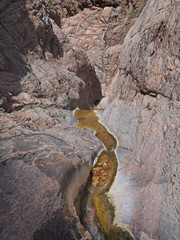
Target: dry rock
x=57, y=55
x=143, y=113
x=38, y=57
x=40, y=152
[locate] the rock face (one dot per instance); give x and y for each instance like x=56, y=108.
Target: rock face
x=100, y=33
x=58, y=55
x=37, y=57
x=152, y=63
x=41, y=149
x=40, y=152
x=144, y=113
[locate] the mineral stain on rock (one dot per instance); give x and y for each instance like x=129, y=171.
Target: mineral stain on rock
x=94, y=206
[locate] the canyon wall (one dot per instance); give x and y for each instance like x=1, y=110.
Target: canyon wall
x=58, y=55
x=143, y=112
x=42, y=76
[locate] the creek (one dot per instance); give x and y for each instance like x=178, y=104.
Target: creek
x=93, y=204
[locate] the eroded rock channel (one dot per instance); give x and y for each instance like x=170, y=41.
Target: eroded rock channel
x=93, y=205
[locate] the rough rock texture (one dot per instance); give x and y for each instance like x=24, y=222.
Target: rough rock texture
x=41, y=149
x=55, y=55
x=101, y=32
x=37, y=57
x=150, y=55
x=144, y=114
x=40, y=152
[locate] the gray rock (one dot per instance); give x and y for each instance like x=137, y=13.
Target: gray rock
x=48, y=63
x=40, y=152
x=44, y=63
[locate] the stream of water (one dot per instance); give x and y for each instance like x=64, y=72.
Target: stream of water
x=93, y=205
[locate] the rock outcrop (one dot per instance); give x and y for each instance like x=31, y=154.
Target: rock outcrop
x=101, y=33
x=41, y=151
x=58, y=55
x=37, y=57
x=144, y=113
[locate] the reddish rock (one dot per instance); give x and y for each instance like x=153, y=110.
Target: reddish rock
x=144, y=114
x=40, y=152
x=100, y=32
x=50, y=61
x=38, y=57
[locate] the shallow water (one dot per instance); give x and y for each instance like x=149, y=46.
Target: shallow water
x=94, y=206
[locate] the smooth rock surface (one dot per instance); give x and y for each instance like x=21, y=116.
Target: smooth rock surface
x=40, y=152
x=41, y=149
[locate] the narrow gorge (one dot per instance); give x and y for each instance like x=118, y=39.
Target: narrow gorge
x=89, y=119
x=93, y=205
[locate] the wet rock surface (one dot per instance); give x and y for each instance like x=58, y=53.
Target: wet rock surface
x=40, y=74
x=94, y=207
x=146, y=188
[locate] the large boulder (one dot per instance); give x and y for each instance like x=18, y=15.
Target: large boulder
x=44, y=158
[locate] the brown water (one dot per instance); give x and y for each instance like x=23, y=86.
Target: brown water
x=94, y=207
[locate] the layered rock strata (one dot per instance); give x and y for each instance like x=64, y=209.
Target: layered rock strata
x=40, y=152
x=100, y=32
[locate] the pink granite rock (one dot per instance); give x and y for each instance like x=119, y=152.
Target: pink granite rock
x=59, y=54
x=144, y=114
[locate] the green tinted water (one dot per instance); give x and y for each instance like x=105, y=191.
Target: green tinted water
x=94, y=194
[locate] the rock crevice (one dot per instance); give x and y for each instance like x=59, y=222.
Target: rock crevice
x=58, y=55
